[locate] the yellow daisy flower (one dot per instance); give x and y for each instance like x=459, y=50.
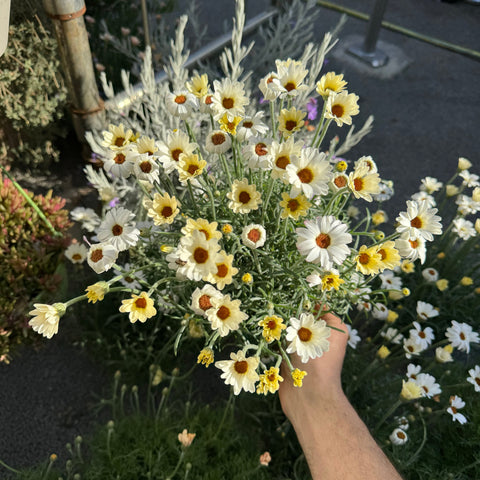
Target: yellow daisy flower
x=146, y=145
x=272, y=327
x=116, y=138
x=331, y=280
x=383, y=352
x=290, y=121
x=407, y=266
x=410, y=390
x=223, y=275
x=206, y=357
x=190, y=166
x=330, y=83
x=341, y=106
x=243, y=197
x=247, y=278
x=227, y=229
x=198, y=85
x=390, y=256
x=297, y=377
x=229, y=125
x=368, y=260
x=363, y=183
x=269, y=381
x=139, y=307
x=162, y=209
x=379, y=217
x=97, y=291
x=294, y=207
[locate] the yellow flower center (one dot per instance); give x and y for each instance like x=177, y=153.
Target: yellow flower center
x=304, y=334
x=323, y=240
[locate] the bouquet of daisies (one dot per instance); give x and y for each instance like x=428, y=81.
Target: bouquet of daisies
x=230, y=218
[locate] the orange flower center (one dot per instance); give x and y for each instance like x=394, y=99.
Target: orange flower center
x=200, y=255
x=358, y=184
x=305, y=175
x=414, y=243
x=180, y=99
x=222, y=270
x=176, y=154
x=290, y=125
x=119, y=158
x=76, y=256
x=248, y=124
x=338, y=110
x=167, y=212
x=254, y=235
x=244, y=197
x=282, y=162
x=293, y=205
x=228, y=103
x=141, y=302
x=192, y=169
x=204, y=302
x=401, y=435
x=96, y=255
x=218, y=138
x=117, y=230
x=223, y=312
x=454, y=410
x=119, y=141
x=364, y=258
x=416, y=222
x=304, y=334
x=146, y=167
x=260, y=149
x=272, y=324
x=323, y=240
x=382, y=253
x=421, y=334
x=462, y=336
x=241, y=367
x=340, y=181
x=208, y=100
x=272, y=377
x=290, y=86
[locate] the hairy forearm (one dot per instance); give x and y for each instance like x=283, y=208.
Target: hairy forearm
x=337, y=444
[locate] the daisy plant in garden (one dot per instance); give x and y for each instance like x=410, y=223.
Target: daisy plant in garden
x=235, y=219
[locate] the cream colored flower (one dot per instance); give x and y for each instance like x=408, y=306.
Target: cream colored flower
x=225, y=316
x=269, y=86
x=177, y=143
x=390, y=257
x=282, y=155
x=189, y=167
x=410, y=390
x=116, y=138
x=229, y=98
x=76, y=253
x=223, y=270
x=46, y=318
x=198, y=85
x=291, y=74
x=330, y=83
x=181, y=103
x=209, y=229
x=341, y=106
x=294, y=207
x=102, y=256
x=201, y=299
x=119, y=162
x=364, y=184
x=139, y=307
x=244, y=197
x=186, y=438
x=97, y=291
x=254, y=236
x=464, y=164
x=240, y=372
x=218, y=142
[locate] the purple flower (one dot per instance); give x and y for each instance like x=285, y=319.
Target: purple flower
x=114, y=202
x=312, y=109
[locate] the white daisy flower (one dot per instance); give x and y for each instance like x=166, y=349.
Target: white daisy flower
x=282, y=155
x=87, y=217
x=313, y=280
x=392, y=335
x=76, y=253
x=430, y=185
x=379, y=311
x=199, y=255
x=257, y=153
x=177, y=265
x=181, y=103
x=456, y=403
x=218, y=142
x=119, y=162
x=146, y=168
x=412, y=347
x=474, y=377
x=132, y=280
x=411, y=248
x=398, y=437
x=251, y=126
x=270, y=86
x=425, y=198
x=464, y=228
x=308, y=337
x=413, y=371
x=324, y=241
x=169, y=152
x=366, y=162
x=225, y=315
x=428, y=384
x=461, y=335
x=403, y=423
x=229, y=98
x=309, y=173
x=385, y=192
x=469, y=179
x=202, y=299
x=426, y=310
x=46, y=318
x=119, y=229
x=290, y=74
x=419, y=221
x=466, y=205
x=363, y=183
x=390, y=281
x=240, y=372
x=430, y=275
x=353, y=336
x=102, y=256
x=254, y=236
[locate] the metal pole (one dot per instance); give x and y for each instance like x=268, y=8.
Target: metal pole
x=146, y=30
x=368, y=51
x=86, y=105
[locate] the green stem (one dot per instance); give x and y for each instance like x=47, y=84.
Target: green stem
x=194, y=202
x=32, y=203
x=387, y=414
x=3, y=464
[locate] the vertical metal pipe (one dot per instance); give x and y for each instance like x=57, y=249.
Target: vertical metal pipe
x=374, y=25
x=86, y=105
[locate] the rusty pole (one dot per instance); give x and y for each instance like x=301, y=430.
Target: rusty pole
x=86, y=105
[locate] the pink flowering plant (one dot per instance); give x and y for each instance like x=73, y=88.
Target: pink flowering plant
x=232, y=220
